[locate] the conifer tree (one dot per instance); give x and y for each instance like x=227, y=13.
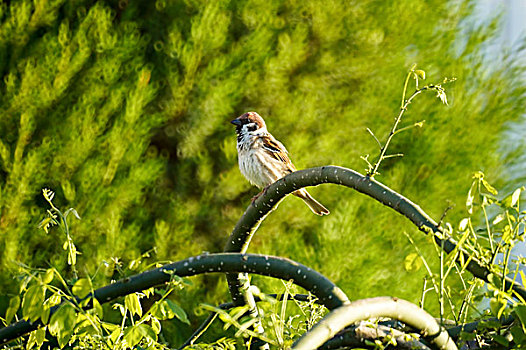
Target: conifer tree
x=123, y=109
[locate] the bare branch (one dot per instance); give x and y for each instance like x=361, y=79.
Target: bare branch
x=365, y=309
x=375, y=138
x=256, y=213
x=364, y=335
x=394, y=155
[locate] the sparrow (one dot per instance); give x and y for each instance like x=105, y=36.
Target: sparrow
x=263, y=160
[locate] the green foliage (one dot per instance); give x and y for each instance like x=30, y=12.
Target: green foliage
x=78, y=318
x=491, y=231
x=123, y=109
x=75, y=101
x=79, y=322
x=284, y=320
x=416, y=74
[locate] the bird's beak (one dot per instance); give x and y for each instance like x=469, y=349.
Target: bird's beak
x=236, y=122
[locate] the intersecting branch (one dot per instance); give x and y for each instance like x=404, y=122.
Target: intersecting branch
x=364, y=309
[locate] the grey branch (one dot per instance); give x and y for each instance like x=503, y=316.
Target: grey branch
x=327, y=292
x=257, y=211
x=365, y=309
x=355, y=336
x=364, y=335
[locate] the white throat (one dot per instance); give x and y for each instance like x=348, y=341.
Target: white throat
x=246, y=138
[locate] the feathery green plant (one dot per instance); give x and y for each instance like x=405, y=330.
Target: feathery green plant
x=123, y=109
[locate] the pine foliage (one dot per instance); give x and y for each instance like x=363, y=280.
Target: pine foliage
x=123, y=108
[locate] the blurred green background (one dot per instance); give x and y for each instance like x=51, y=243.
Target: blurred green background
x=123, y=109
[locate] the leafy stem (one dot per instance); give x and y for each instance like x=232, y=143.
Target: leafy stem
x=56, y=217
x=415, y=74
x=381, y=157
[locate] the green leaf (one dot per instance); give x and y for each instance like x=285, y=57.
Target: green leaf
x=110, y=327
x=494, y=280
x=463, y=224
x=497, y=306
x=485, y=325
x=518, y=334
x=501, y=340
x=132, y=303
x=44, y=316
x=48, y=276
x=82, y=287
x=115, y=335
x=149, y=292
x=162, y=311
x=132, y=336
x=520, y=311
x=37, y=338
x=178, y=311
x=32, y=303
x=489, y=188
x=14, y=304
x=420, y=73
x=515, y=196
x=498, y=219
x=467, y=336
x=147, y=331
x=53, y=300
x=412, y=262
x=98, y=308
x=62, y=323
x=156, y=325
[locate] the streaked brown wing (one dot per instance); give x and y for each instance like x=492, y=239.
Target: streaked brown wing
x=277, y=150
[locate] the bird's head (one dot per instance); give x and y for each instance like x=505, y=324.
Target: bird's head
x=249, y=123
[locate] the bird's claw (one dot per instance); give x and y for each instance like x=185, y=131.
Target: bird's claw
x=264, y=191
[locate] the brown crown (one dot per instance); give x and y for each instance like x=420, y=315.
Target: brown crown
x=252, y=117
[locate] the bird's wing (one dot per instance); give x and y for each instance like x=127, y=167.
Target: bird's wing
x=277, y=150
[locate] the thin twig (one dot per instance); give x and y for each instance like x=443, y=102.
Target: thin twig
x=375, y=138
x=394, y=155
x=393, y=130
x=419, y=124
x=449, y=207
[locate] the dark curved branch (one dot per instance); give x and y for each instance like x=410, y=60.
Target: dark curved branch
x=365, y=309
x=256, y=213
x=354, y=336
x=364, y=336
x=327, y=292
x=454, y=332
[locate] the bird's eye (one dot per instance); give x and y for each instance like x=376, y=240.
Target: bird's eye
x=252, y=127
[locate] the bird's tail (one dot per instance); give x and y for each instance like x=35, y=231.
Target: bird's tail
x=316, y=207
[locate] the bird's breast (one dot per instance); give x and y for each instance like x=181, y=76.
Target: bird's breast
x=256, y=164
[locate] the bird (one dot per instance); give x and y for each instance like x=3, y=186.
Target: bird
x=263, y=160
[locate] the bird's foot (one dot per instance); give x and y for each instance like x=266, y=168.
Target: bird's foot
x=259, y=194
